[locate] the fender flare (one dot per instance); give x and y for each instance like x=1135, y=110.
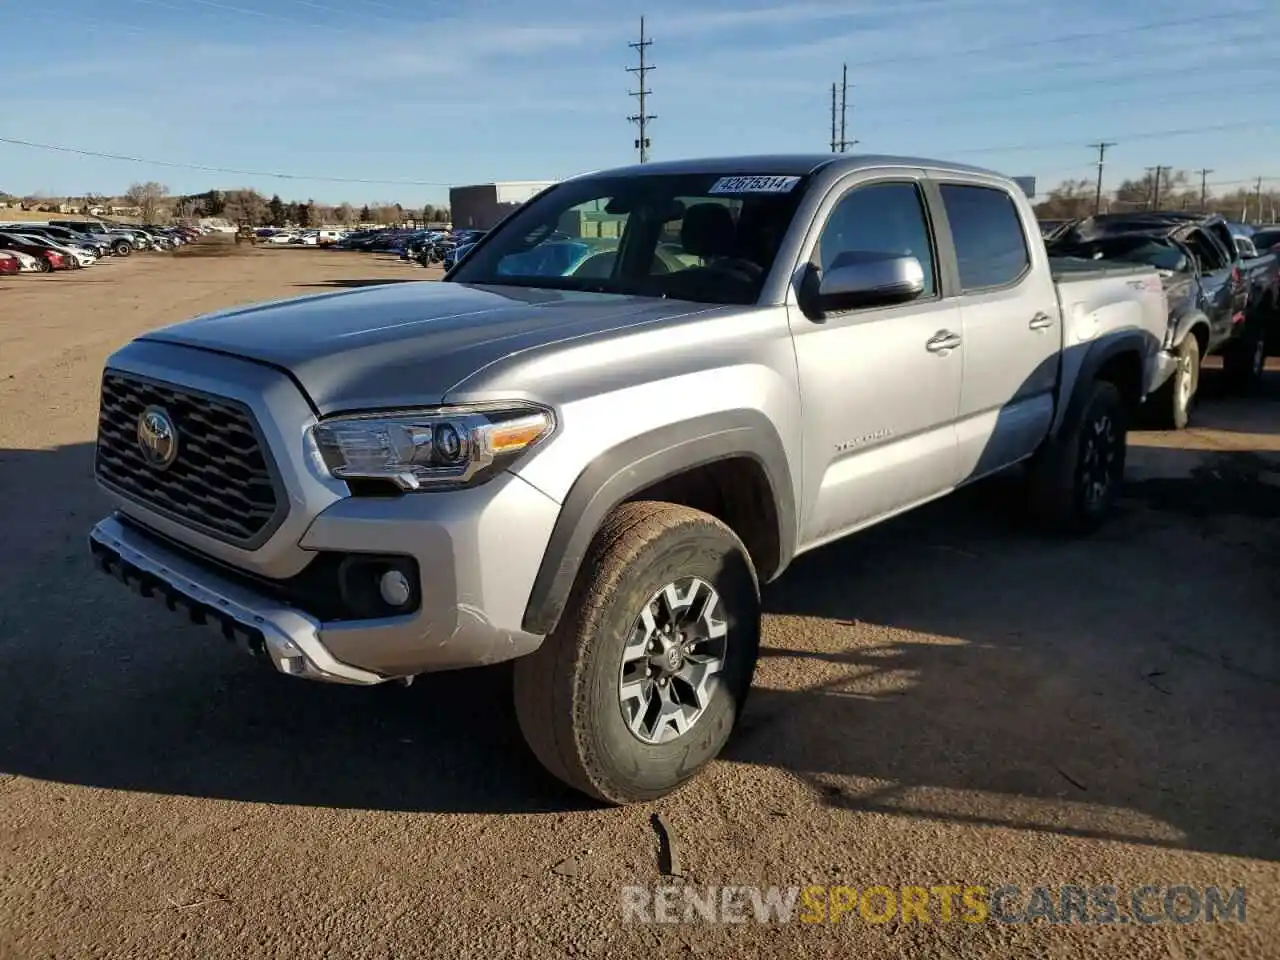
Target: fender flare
x=1185, y=322
x=1098, y=354
x=640, y=462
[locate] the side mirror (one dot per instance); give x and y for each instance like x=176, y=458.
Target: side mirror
x=869, y=279
x=1245, y=248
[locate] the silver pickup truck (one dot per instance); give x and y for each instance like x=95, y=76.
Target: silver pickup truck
x=636, y=401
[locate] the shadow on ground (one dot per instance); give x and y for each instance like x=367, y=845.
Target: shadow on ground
x=945, y=665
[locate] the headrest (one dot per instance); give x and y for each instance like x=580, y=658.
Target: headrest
x=707, y=230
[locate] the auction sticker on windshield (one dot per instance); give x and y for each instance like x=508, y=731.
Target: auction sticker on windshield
x=754, y=185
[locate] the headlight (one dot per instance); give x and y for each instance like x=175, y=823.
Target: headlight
x=441, y=447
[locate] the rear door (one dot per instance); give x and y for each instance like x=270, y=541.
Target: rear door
x=1012, y=326
x=880, y=385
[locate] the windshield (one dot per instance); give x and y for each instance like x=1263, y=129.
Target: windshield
x=710, y=238
x=1150, y=251
x=1267, y=238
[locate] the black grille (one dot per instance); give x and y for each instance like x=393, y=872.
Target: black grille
x=221, y=483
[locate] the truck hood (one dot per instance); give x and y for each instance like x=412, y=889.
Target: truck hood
x=408, y=343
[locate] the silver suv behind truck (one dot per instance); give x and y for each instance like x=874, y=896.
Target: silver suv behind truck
x=632, y=404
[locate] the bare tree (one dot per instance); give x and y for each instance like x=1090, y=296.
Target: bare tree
x=245, y=204
x=1069, y=199
x=147, y=197
x=344, y=214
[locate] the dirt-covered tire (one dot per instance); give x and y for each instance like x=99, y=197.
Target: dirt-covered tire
x=591, y=700
x=1244, y=360
x=1074, y=481
x=1170, y=407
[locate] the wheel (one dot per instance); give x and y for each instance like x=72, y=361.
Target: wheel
x=122, y=248
x=44, y=266
x=1244, y=361
x=1074, y=481
x=641, y=682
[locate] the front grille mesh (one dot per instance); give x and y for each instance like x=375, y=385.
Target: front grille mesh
x=220, y=483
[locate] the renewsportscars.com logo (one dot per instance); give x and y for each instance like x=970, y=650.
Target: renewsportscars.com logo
x=1066, y=904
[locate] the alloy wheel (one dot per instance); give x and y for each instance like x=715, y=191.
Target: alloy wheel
x=672, y=662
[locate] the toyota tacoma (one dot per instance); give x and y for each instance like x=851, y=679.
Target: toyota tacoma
x=590, y=464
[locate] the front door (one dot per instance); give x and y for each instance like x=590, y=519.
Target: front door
x=880, y=386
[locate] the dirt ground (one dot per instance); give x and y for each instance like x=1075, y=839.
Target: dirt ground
x=943, y=700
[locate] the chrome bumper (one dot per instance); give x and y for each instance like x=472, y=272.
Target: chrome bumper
x=287, y=637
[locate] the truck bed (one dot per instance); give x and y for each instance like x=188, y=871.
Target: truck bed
x=1072, y=269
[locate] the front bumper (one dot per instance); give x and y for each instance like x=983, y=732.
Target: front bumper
x=291, y=639
x=477, y=553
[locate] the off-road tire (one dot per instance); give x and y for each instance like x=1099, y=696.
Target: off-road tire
x=566, y=692
x=1058, y=488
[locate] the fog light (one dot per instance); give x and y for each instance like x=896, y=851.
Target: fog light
x=395, y=589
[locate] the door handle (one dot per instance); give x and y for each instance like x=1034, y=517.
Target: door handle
x=943, y=340
x=1041, y=321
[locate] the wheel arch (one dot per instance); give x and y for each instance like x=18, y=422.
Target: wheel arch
x=731, y=464
x=1122, y=360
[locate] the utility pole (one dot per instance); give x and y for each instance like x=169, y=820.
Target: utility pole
x=1258, y=193
x=1204, y=188
x=833, y=118
x=845, y=143
x=1159, y=175
x=1102, y=159
x=642, y=118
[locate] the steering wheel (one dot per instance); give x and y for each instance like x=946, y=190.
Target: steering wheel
x=738, y=268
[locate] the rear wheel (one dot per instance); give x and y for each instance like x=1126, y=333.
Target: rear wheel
x=641, y=682
x=43, y=265
x=1075, y=480
x=122, y=248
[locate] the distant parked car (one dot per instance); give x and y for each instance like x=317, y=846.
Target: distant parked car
x=49, y=258
x=26, y=261
x=1267, y=239
x=9, y=265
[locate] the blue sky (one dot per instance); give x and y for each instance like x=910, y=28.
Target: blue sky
x=465, y=92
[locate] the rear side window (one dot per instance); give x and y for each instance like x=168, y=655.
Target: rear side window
x=991, y=247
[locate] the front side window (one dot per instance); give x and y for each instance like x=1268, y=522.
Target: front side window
x=990, y=244
x=879, y=219
x=709, y=238
x=1207, y=253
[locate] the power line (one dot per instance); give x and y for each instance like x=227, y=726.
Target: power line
x=1061, y=38
x=210, y=169
x=642, y=118
x=1142, y=135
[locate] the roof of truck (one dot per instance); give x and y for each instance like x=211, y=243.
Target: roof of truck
x=787, y=164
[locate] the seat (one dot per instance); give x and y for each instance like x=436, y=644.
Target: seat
x=708, y=231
